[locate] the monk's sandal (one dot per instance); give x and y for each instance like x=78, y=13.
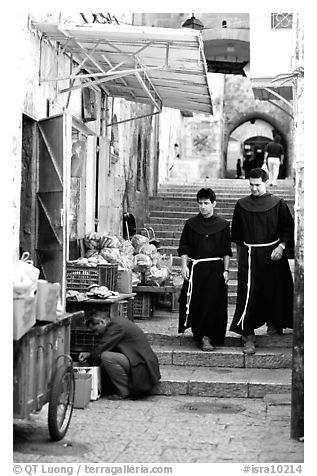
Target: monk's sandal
x=206, y=345
x=249, y=347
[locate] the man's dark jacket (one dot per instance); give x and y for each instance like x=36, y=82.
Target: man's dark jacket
x=122, y=335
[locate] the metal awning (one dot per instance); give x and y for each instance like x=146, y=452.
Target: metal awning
x=158, y=66
x=267, y=89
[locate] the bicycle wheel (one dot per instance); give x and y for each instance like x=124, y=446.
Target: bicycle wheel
x=61, y=402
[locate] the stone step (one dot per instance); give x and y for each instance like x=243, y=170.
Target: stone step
x=191, y=203
x=221, y=194
x=161, y=329
x=171, y=224
x=225, y=193
x=157, y=338
x=229, y=196
x=233, y=282
x=172, y=250
x=190, y=206
x=216, y=183
x=159, y=216
x=168, y=239
x=220, y=182
x=222, y=381
x=231, y=357
x=233, y=275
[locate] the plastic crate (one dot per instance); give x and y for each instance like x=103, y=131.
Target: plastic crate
x=111, y=310
x=142, y=306
x=79, y=278
x=83, y=340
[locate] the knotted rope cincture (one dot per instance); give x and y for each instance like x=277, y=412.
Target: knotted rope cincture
x=190, y=284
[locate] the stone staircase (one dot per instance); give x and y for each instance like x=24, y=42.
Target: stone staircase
x=175, y=203
x=225, y=372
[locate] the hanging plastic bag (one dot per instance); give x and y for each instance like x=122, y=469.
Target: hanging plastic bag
x=264, y=167
x=25, y=277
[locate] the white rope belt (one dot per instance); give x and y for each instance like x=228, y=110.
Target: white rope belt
x=241, y=320
x=190, y=284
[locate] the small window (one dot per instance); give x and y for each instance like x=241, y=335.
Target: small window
x=281, y=20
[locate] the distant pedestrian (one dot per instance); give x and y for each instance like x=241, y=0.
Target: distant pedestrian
x=205, y=251
x=239, y=169
x=125, y=354
x=273, y=158
x=247, y=165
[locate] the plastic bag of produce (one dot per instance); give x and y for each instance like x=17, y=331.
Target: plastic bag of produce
x=112, y=255
x=155, y=276
x=25, y=277
x=109, y=241
x=141, y=262
x=92, y=241
x=148, y=249
x=165, y=261
x=138, y=241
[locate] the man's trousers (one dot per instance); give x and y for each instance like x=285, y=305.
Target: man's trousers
x=117, y=367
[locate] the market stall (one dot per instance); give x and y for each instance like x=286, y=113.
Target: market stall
x=112, y=269
x=42, y=365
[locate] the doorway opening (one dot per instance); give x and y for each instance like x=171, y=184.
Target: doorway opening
x=247, y=142
x=28, y=188
x=253, y=154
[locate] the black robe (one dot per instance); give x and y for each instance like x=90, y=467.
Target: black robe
x=208, y=316
x=259, y=220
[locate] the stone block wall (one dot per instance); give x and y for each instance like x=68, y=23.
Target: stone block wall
x=240, y=107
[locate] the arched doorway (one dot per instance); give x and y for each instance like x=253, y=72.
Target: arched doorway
x=247, y=140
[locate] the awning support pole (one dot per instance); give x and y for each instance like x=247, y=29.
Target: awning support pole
x=134, y=118
x=106, y=78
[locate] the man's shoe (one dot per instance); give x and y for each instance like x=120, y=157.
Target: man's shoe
x=206, y=345
x=249, y=347
x=273, y=330
x=116, y=396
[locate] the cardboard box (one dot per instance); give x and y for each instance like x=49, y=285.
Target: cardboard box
x=95, y=373
x=124, y=284
x=47, y=297
x=82, y=389
x=23, y=316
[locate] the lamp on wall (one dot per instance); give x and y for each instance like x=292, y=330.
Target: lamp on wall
x=193, y=23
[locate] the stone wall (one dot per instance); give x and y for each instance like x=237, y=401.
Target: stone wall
x=240, y=107
x=233, y=102
x=176, y=20
x=37, y=60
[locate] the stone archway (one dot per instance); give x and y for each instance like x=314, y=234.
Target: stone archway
x=252, y=117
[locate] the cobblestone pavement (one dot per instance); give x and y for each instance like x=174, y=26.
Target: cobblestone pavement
x=161, y=429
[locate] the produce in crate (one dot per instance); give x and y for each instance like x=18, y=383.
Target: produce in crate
x=155, y=276
x=138, y=241
x=101, y=292
x=138, y=255
x=108, y=249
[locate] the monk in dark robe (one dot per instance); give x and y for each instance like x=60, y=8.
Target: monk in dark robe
x=205, y=251
x=262, y=228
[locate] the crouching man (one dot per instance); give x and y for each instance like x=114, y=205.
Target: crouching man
x=125, y=354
